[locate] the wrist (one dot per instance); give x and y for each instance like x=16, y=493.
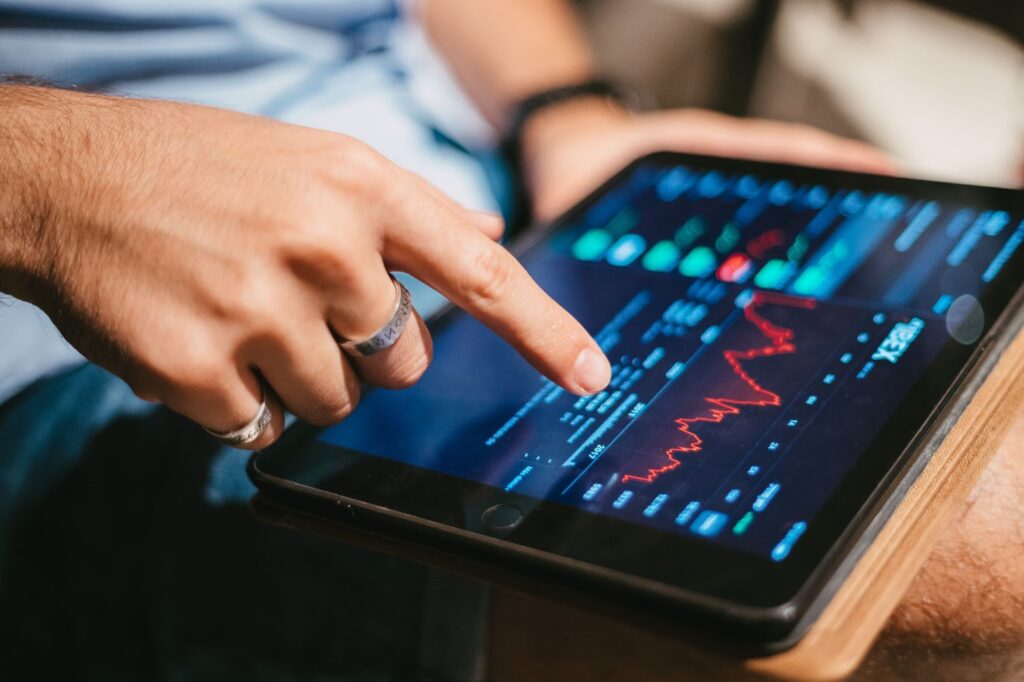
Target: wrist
x=47, y=178
x=548, y=128
x=24, y=211
x=556, y=132
x=549, y=121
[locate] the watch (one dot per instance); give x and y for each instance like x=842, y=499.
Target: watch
x=531, y=105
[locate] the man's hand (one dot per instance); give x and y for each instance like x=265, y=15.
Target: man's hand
x=206, y=256
x=570, y=148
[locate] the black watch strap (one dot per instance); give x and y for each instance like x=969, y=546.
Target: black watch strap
x=597, y=87
x=528, y=107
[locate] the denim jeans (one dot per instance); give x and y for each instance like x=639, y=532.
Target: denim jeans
x=127, y=551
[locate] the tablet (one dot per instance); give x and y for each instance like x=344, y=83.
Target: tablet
x=788, y=347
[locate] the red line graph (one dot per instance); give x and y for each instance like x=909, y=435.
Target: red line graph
x=780, y=342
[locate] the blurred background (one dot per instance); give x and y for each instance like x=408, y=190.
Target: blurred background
x=938, y=84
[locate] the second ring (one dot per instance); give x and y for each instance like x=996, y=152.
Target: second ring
x=386, y=336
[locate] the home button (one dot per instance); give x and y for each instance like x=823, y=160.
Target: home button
x=501, y=517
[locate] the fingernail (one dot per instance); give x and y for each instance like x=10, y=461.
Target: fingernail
x=591, y=371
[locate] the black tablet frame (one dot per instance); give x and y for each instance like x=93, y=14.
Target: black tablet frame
x=748, y=596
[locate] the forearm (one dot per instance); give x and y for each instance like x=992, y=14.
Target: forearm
x=62, y=151
x=505, y=50
x=22, y=208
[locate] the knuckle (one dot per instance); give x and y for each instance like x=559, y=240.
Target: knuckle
x=195, y=368
x=354, y=166
x=202, y=376
x=238, y=293
x=309, y=230
x=322, y=268
x=311, y=252
x=409, y=372
x=331, y=412
x=488, y=276
x=340, y=412
x=258, y=311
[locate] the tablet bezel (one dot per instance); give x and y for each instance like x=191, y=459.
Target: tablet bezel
x=763, y=597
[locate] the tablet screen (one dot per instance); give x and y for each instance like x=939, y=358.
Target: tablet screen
x=762, y=330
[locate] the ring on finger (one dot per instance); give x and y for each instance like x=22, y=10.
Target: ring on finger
x=386, y=336
x=249, y=433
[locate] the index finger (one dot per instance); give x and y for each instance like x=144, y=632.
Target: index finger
x=439, y=244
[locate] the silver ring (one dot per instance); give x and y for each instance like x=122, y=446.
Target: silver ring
x=249, y=433
x=386, y=336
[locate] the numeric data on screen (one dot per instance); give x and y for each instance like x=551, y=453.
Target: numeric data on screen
x=761, y=332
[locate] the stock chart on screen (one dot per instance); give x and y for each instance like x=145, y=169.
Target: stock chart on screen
x=761, y=331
